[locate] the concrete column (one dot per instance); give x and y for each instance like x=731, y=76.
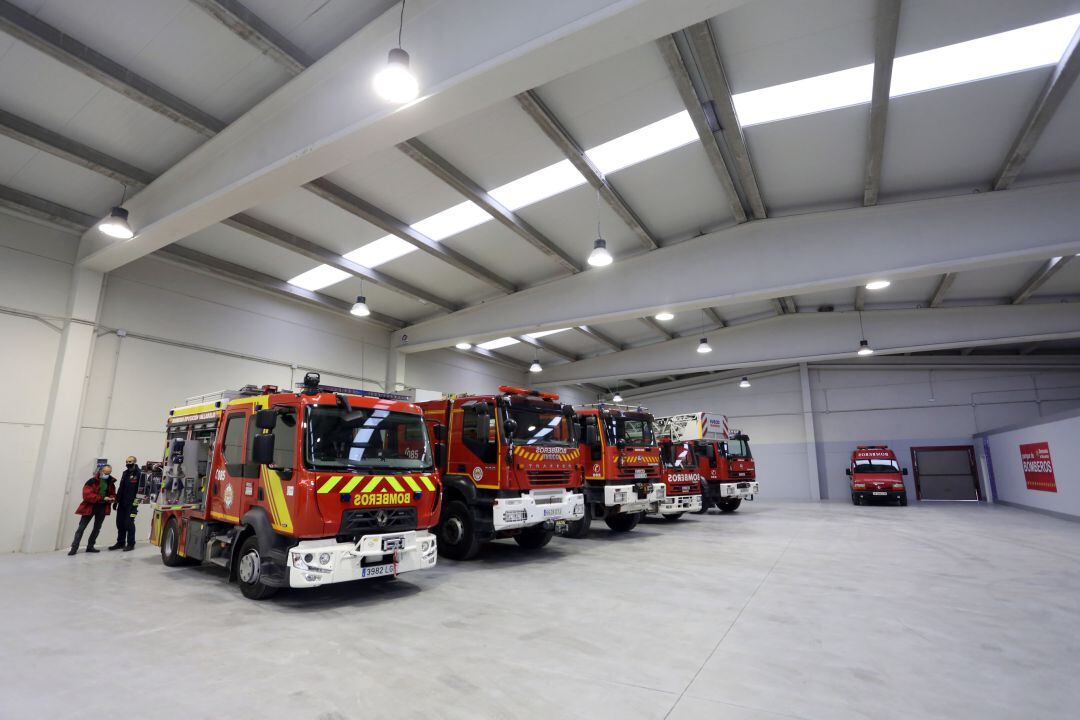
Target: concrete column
x=813, y=476
x=63, y=416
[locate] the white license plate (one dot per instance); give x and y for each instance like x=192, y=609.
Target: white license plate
x=377, y=570
x=393, y=543
x=881, y=493
x=620, y=497
x=639, y=474
x=552, y=511
x=514, y=516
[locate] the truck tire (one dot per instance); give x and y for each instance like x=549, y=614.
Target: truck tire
x=534, y=538
x=249, y=571
x=580, y=528
x=672, y=517
x=170, y=545
x=623, y=522
x=729, y=505
x=855, y=499
x=706, y=503
x=902, y=500
x=457, y=532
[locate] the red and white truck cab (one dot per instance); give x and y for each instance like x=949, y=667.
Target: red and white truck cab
x=723, y=455
x=876, y=475
x=682, y=481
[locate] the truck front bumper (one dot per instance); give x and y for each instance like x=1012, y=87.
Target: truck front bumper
x=535, y=507
x=672, y=504
x=373, y=556
x=744, y=490
x=625, y=498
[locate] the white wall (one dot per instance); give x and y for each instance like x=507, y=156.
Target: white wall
x=851, y=407
x=1061, y=436
x=449, y=372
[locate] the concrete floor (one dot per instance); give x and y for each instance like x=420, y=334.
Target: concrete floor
x=780, y=611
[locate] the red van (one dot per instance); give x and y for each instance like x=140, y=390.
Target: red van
x=876, y=475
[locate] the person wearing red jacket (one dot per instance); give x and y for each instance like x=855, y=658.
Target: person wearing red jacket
x=99, y=492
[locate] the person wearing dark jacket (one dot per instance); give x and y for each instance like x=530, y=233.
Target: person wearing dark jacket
x=98, y=493
x=126, y=506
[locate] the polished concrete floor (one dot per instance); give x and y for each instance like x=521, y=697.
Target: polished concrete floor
x=783, y=610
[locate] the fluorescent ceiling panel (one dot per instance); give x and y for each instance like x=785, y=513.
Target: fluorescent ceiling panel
x=498, y=343
x=639, y=145
x=319, y=277
x=544, y=333
x=1008, y=52
x=540, y=185
x=380, y=251
x=452, y=221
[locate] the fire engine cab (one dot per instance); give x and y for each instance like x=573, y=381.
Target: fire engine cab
x=876, y=475
x=723, y=456
x=510, y=467
x=682, y=481
x=297, y=489
x=622, y=467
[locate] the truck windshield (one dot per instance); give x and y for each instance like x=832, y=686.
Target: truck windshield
x=539, y=424
x=635, y=431
x=876, y=465
x=738, y=448
x=365, y=438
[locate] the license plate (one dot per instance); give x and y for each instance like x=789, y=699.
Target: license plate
x=639, y=474
x=551, y=512
x=393, y=543
x=743, y=486
x=514, y=516
x=377, y=570
x=620, y=497
x=881, y=493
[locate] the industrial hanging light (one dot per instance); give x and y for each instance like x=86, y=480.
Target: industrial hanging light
x=745, y=382
x=599, y=257
x=864, y=346
x=703, y=344
x=878, y=284
x=395, y=83
x=535, y=367
x=116, y=225
x=463, y=346
x=616, y=398
x=664, y=316
x=360, y=308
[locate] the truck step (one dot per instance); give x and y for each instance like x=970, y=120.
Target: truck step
x=220, y=561
x=226, y=539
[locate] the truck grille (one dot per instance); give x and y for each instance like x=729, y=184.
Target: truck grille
x=542, y=478
x=356, y=523
x=651, y=473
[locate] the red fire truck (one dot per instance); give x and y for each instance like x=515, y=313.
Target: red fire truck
x=510, y=467
x=682, y=481
x=297, y=489
x=723, y=455
x=876, y=475
x=622, y=467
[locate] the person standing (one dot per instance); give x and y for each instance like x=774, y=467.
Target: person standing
x=126, y=507
x=98, y=493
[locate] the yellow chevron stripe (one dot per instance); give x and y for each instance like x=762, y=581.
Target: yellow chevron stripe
x=427, y=483
x=394, y=483
x=353, y=482
x=372, y=483
x=412, y=483
x=276, y=494
x=329, y=484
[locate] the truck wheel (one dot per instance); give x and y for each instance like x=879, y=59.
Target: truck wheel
x=902, y=500
x=534, y=538
x=580, y=528
x=729, y=505
x=457, y=532
x=170, y=545
x=623, y=522
x=706, y=503
x=672, y=517
x=249, y=571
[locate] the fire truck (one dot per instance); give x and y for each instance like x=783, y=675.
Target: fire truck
x=876, y=475
x=723, y=455
x=682, y=481
x=622, y=467
x=510, y=467
x=297, y=489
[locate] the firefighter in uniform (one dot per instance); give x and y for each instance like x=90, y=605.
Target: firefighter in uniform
x=126, y=506
x=98, y=493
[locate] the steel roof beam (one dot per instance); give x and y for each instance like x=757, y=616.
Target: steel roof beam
x=548, y=347
x=497, y=357
x=942, y=289
x=441, y=168
x=1050, y=268
x=715, y=317
x=885, y=28
x=656, y=327
x=45, y=210
x=1055, y=90
x=695, y=106
x=594, y=334
x=860, y=298
x=716, y=83
x=550, y=125
x=257, y=33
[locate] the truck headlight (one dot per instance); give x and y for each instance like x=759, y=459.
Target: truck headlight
x=324, y=558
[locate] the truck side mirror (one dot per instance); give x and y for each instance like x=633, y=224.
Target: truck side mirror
x=266, y=419
x=439, y=430
x=576, y=429
x=847, y=471
x=440, y=452
x=665, y=454
x=591, y=438
x=710, y=452
x=510, y=426
x=905, y=471
x=262, y=449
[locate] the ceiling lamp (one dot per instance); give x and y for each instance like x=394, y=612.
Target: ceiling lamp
x=395, y=83
x=864, y=348
x=616, y=398
x=599, y=257
x=664, y=316
x=878, y=284
x=745, y=382
x=703, y=346
x=463, y=346
x=116, y=225
x=360, y=308
x=535, y=367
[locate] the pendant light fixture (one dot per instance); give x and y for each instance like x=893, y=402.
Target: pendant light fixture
x=599, y=257
x=617, y=398
x=745, y=382
x=703, y=344
x=463, y=346
x=864, y=346
x=360, y=308
x=396, y=83
x=116, y=225
x=664, y=316
x=535, y=367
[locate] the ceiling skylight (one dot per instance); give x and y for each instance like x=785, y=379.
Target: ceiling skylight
x=380, y=251
x=319, y=277
x=452, y=221
x=544, y=333
x=654, y=139
x=540, y=185
x=1008, y=52
x=498, y=343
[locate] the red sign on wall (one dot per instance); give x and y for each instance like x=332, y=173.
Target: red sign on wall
x=1038, y=467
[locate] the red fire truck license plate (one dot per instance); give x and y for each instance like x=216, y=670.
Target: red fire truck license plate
x=377, y=570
